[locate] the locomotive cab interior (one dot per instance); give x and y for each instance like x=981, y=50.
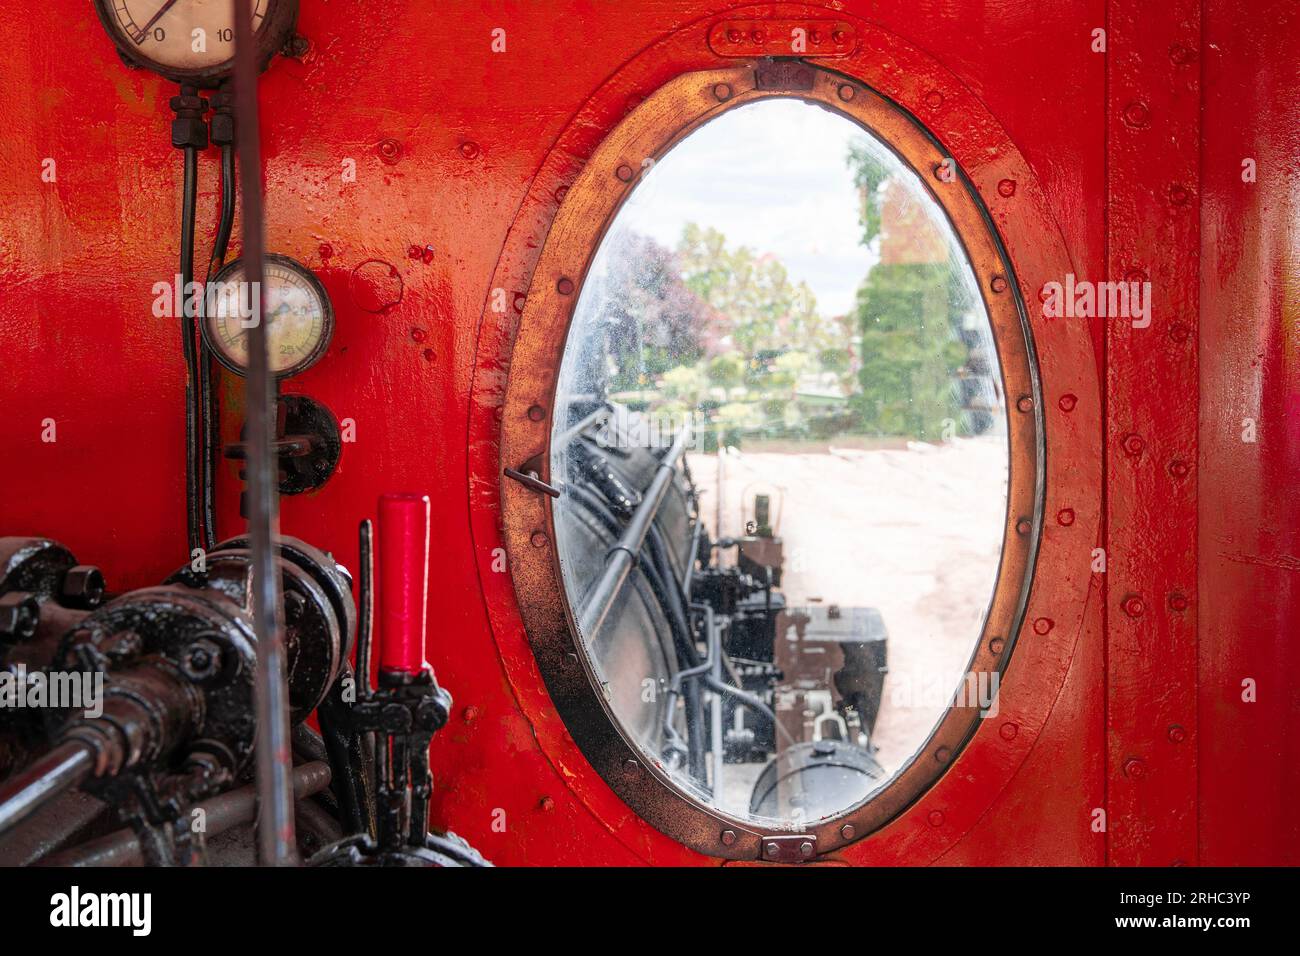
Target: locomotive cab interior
x=594, y=434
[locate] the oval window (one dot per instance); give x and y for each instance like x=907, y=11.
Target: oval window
x=771, y=523
x=781, y=441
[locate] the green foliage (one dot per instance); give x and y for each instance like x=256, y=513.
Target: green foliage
x=727, y=370
x=868, y=173
x=752, y=294
x=908, y=350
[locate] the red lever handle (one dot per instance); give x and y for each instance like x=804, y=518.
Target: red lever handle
x=403, y=582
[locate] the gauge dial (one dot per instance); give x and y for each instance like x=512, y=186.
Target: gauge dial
x=191, y=40
x=298, y=315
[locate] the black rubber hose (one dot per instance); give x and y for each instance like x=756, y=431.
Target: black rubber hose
x=189, y=328
x=211, y=409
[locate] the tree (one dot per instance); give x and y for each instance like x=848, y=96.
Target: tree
x=655, y=321
x=752, y=294
x=868, y=173
x=909, y=311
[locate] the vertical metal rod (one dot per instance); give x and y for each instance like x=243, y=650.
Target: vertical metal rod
x=276, y=841
x=715, y=706
x=366, y=618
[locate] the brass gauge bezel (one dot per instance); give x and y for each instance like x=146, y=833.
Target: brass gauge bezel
x=327, y=317
x=277, y=27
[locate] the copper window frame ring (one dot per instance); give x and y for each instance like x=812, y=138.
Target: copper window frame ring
x=589, y=206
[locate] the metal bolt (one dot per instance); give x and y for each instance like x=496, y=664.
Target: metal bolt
x=390, y=150
x=806, y=849
x=934, y=99
x=1024, y=404
x=998, y=284
x=1009, y=731
x=82, y=587
x=631, y=768
x=1134, y=768
x=201, y=660
x=728, y=837
x=722, y=92
x=561, y=192
x=1067, y=402
x=1177, y=734
x=1065, y=517
x=470, y=714
x=1179, y=332
x=1024, y=526
x=538, y=539
x=546, y=804
x=1006, y=188
x=935, y=818
x=943, y=755
x=771, y=849
x=838, y=36
x=846, y=92
x=734, y=36
x=1133, y=445
x=296, y=47
x=536, y=413
x=624, y=173
x=1043, y=625
x=996, y=644
x=1136, y=115
x=1178, y=602
x=1178, y=468
x=469, y=150
x=1134, y=606
x=564, y=286
x=847, y=831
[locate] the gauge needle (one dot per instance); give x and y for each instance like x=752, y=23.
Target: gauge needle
x=144, y=32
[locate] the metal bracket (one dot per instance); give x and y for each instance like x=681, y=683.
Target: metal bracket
x=754, y=38
x=797, y=848
x=787, y=76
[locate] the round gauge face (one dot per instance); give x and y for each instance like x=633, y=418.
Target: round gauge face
x=184, y=39
x=298, y=315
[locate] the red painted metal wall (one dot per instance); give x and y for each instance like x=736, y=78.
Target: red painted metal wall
x=1126, y=164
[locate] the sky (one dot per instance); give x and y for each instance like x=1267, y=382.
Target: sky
x=771, y=176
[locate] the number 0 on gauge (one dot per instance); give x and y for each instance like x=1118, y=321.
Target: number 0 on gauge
x=297, y=312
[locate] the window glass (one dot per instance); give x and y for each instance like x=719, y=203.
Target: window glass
x=800, y=603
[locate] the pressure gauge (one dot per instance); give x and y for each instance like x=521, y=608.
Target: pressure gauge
x=193, y=41
x=297, y=312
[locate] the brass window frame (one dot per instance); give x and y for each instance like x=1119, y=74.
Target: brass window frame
x=587, y=209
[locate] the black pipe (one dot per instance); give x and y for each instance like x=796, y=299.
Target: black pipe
x=688, y=658
x=211, y=408
x=189, y=329
x=624, y=554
